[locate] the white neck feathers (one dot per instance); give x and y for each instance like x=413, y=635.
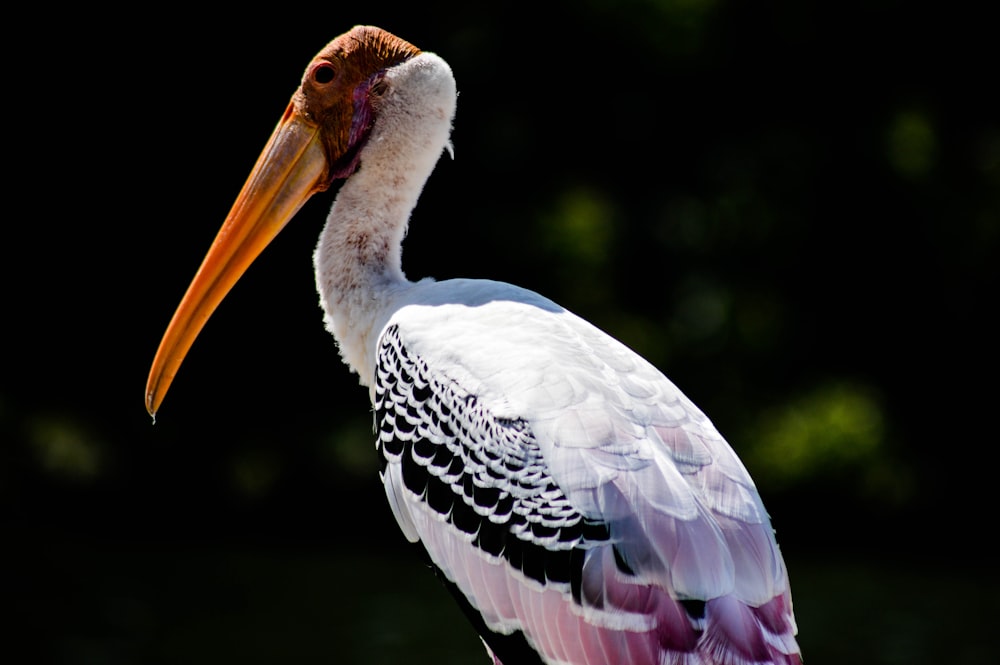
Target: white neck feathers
x=358, y=258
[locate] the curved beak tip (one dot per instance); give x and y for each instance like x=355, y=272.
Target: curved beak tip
x=291, y=167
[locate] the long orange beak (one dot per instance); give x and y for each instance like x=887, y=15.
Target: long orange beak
x=291, y=168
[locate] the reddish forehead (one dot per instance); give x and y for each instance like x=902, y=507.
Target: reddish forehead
x=332, y=78
x=368, y=49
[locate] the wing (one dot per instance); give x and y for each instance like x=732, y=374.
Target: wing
x=584, y=509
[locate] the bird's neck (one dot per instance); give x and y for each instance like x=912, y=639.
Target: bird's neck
x=358, y=259
x=359, y=252
x=358, y=263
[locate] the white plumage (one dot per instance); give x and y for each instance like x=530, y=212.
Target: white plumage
x=626, y=450
x=579, y=506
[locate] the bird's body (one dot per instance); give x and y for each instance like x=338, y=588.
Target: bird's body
x=582, y=510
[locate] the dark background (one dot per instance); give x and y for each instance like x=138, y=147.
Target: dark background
x=790, y=208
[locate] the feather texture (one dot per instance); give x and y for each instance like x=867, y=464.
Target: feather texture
x=568, y=489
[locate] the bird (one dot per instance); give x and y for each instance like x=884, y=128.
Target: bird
x=577, y=505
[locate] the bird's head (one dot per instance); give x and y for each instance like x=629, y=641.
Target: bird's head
x=340, y=92
x=318, y=140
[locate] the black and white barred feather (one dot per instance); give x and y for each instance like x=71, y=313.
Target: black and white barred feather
x=483, y=474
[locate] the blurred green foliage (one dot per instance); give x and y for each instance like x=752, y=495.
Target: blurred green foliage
x=64, y=448
x=835, y=431
x=911, y=144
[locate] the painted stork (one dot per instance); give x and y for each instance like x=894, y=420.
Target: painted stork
x=579, y=507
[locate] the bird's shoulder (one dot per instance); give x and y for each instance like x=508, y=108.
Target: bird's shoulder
x=520, y=351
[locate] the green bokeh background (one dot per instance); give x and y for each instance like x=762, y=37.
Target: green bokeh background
x=793, y=209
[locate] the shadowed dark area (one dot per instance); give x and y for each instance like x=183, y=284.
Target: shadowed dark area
x=793, y=210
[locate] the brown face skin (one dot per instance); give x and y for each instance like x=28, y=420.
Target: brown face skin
x=332, y=94
x=318, y=140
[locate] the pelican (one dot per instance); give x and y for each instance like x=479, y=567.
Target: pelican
x=578, y=506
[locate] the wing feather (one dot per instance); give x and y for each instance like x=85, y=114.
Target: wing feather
x=571, y=492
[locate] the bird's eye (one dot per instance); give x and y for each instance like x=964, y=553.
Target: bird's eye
x=379, y=87
x=324, y=73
